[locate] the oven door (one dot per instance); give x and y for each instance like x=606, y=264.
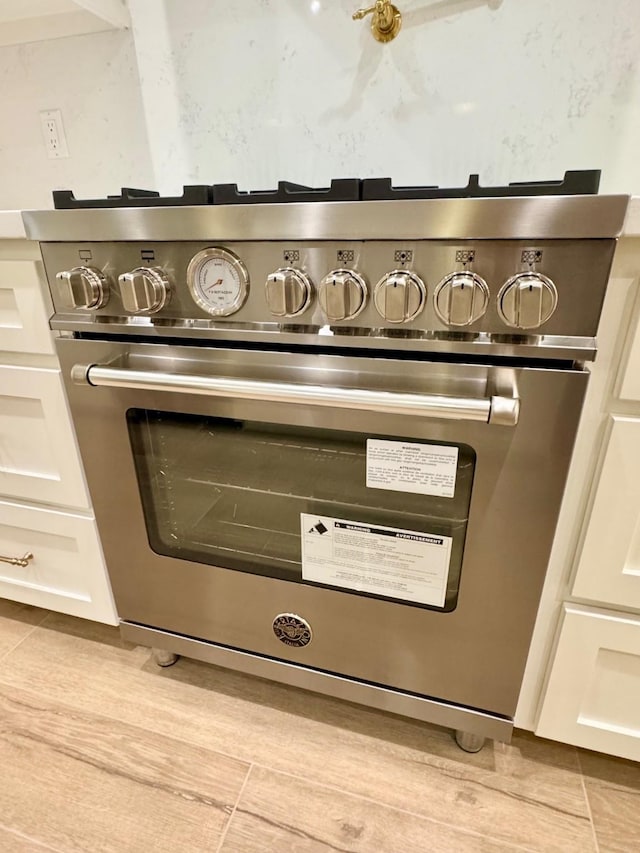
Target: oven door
x=381, y=518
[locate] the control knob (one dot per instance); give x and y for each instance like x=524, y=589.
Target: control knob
x=83, y=287
x=288, y=292
x=527, y=300
x=144, y=290
x=342, y=294
x=461, y=298
x=400, y=296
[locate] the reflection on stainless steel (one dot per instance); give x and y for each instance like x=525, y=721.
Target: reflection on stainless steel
x=469, y=742
x=297, y=675
x=82, y=287
x=144, y=289
x=435, y=410
x=527, y=300
x=441, y=219
x=493, y=410
x=239, y=615
x=452, y=343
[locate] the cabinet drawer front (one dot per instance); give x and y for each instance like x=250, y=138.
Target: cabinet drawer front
x=609, y=563
x=38, y=455
x=593, y=694
x=24, y=308
x=64, y=568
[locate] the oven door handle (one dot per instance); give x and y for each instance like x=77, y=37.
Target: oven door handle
x=491, y=410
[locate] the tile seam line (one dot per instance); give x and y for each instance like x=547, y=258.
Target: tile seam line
x=588, y=802
x=260, y=765
x=112, y=718
x=251, y=764
x=9, y=651
x=7, y=682
x=233, y=811
x=18, y=834
x=456, y=827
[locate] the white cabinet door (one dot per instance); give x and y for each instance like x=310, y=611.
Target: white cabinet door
x=64, y=568
x=24, y=308
x=609, y=563
x=38, y=455
x=593, y=693
x=630, y=381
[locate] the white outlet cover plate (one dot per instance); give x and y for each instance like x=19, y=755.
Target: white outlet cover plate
x=55, y=140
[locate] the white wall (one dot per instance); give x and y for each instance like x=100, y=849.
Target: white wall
x=259, y=90
x=93, y=80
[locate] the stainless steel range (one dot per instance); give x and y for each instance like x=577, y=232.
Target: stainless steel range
x=326, y=432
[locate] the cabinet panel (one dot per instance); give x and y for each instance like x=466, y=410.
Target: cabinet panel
x=609, y=563
x=24, y=311
x=593, y=694
x=38, y=454
x=630, y=384
x=65, y=570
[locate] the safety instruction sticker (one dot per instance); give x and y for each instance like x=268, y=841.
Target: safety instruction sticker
x=403, y=466
x=404, y=564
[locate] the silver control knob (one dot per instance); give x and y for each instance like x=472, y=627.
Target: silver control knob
x=342, y=294
x=461, y=298
x=400, y=296
x=527, y=300
x=83, y=288
x=288, y=292
x=144, y=290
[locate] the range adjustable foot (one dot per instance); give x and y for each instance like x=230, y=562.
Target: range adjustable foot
x=469, y=742
x=163, y=658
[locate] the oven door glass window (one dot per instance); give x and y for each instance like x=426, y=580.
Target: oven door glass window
x=293, y=503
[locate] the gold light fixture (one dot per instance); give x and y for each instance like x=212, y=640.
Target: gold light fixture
x=385, y=22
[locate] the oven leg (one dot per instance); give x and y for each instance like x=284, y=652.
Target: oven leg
x=469, y=742
x=163, y=658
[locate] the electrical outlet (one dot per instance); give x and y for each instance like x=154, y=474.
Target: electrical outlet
x=55, y=141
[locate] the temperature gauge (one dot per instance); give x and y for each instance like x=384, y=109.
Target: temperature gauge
x=218, y=281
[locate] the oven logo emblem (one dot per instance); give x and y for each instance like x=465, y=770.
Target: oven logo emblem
x=292, y=630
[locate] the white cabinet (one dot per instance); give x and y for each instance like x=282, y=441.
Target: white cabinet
x=594, y=683
x=24, y=309
x=63, y=553
x=44, y=505
x=590, y=693
x=609, y=562
x=38, y=456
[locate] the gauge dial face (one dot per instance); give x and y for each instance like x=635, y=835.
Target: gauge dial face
x=218, y=281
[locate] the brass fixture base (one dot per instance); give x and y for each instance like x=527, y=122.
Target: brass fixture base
x=387, y=33
x=385, y=22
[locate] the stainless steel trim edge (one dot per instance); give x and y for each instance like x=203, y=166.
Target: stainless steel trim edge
x=541, y=217
x=486, y=346
x=504, y=411
x=498, y=410
x=296, y=675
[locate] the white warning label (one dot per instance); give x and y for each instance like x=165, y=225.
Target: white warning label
x=405, y=564
x=404, y=466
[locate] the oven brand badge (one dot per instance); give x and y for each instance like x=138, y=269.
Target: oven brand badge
x=292, y=630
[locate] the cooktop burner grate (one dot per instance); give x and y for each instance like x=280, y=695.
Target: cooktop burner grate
x=584, y=182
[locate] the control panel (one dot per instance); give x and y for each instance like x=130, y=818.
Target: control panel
x=429, y=287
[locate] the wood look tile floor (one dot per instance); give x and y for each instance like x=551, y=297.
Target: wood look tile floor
x=103, y=752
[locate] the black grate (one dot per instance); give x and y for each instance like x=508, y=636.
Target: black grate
x=585, y=182
x=343, y=189
x=129, y=197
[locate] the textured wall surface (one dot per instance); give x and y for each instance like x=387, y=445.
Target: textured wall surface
x=93, y=80
x=262, y=90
